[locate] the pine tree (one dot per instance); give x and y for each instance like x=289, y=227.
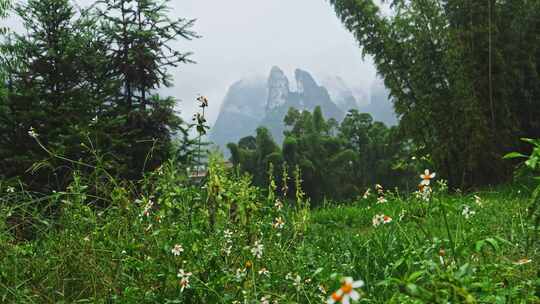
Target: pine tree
x=139, y=33
x=48, y=89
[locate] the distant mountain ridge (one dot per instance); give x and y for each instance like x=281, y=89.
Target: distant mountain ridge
x=249, y=104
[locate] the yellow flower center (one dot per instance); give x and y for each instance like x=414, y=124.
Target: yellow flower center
x=336, y=297
x=346, y=288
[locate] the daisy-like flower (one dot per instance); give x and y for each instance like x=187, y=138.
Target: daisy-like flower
x=278, y=223
x=379, y=188
x=522, y=261
x=381, y=200
x=184, y=279
x=426, y=177
x=347, y=292
x=32, y=132
x=177, y=250
x=265, y=300
x=10, y=189
x=377, y=220
x=264, y=271
x=203, y=100
x=467, y=212
x=380, y=219
x=366, y=194
x=278, y=204
x=257, y=249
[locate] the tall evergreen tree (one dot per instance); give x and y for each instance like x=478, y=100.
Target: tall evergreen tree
x=139, y=33
x=48, y=72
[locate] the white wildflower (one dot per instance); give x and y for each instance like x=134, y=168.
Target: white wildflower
x=380, y=219
x=184, y=279
x=366, y=194
x=177, y=250
x=278, y=223
x=32, y=132
x=278, y=204
x=347, y=292
x=264, y=271
x=467, y=212
x=257, y=249
x=427, y=177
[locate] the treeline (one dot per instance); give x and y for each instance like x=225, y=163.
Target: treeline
x=464, y=76
x=336, y=161
x=84, y=85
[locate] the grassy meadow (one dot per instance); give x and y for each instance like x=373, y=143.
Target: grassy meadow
x=231, y=242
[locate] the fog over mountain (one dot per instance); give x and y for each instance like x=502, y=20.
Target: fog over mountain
x=254, y=102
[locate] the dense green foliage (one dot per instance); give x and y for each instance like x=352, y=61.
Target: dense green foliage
x=463, y=75
x=337, y=161
x=98, y=203
x=237, y=244
x=86, y=81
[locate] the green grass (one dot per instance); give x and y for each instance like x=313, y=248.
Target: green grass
x=89, y=254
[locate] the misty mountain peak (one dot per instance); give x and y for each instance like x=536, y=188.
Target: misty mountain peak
x=278, y=88
x=249, y=104
x=304, y=81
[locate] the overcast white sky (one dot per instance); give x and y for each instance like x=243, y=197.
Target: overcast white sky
x=244, y=38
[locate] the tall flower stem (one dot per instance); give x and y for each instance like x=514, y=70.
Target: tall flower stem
x=447, y=226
